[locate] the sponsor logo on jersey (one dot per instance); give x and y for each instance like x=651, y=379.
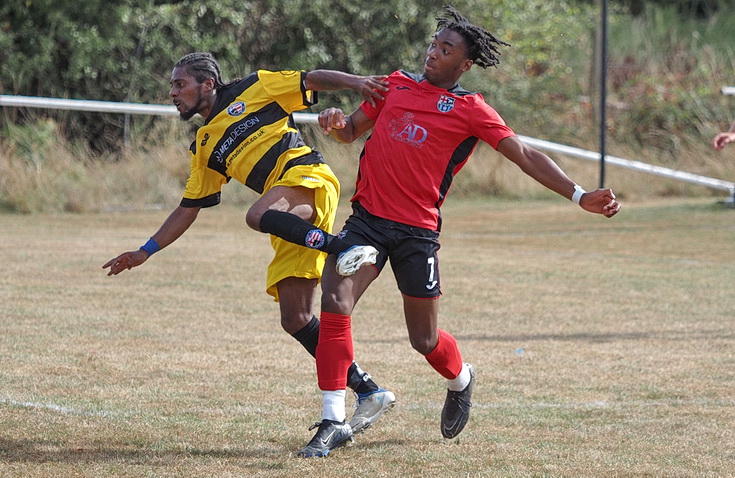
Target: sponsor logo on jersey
x=236, y=109
x=314, y=239
x=405, y=130
x=236, y=136
x=445, y=104
x=205, y=139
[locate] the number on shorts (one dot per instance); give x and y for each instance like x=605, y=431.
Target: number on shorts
x=432, y=271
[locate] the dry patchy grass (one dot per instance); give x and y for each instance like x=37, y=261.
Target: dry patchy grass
x=603, y=348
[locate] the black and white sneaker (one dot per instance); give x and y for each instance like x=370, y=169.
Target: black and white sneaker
x=329, y=436
x=456, y=409
x=350, y=261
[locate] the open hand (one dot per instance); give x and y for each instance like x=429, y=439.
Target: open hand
x=126, y=260
x=371, y=86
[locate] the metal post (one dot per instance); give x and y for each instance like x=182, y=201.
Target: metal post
x=602, y=44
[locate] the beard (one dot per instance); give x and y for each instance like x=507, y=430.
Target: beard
x=188, y=114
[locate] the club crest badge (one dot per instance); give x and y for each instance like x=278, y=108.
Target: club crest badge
x=314, y=239
x=236, y=109
x=445, y=104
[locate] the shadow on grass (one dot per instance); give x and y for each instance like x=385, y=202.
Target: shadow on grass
x=45, y=451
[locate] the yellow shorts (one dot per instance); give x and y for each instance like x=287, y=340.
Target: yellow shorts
x=291, y=260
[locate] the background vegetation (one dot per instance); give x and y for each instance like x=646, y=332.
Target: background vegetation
x=666, y=65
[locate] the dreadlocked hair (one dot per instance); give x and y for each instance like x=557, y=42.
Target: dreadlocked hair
x=481, y=44
x=202, y=66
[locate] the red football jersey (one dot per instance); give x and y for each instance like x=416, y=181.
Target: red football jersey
x=423, y=135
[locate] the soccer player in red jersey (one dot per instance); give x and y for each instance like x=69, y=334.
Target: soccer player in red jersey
x=423, y=132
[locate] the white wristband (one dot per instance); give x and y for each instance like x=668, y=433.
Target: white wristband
x=578, y=191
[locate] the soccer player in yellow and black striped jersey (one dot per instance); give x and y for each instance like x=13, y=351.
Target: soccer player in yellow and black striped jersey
x=249, y=135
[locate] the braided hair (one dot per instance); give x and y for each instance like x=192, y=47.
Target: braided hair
x=202, y=66
x=481, y=47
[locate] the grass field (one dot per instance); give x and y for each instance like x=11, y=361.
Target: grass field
x=603, y=348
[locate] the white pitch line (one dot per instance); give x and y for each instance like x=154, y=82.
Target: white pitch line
x=55, y=408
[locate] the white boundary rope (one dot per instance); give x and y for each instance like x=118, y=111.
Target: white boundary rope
x=110, y=107
x=630, y=164
x=311, y=118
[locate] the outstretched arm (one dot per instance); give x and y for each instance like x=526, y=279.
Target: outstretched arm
x=173, y=227
x=544, y=170
x=369, y=87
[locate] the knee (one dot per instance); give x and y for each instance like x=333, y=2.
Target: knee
x=337, y=305
x=292, y=323
x=424, y=344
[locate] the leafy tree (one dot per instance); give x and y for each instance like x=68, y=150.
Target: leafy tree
x=701, y=8
x=69, y=49
x=123, y=51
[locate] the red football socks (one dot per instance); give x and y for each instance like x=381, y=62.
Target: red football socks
x=334, y=353
x=445, y=358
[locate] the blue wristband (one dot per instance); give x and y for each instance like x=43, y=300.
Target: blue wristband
x=151, y=247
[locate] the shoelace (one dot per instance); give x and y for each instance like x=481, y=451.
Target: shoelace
x=459, y=399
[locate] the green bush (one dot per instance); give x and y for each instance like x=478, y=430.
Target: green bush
x=665, y=71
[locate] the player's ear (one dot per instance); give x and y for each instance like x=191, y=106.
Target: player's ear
x=208, y=84
x=466, y=65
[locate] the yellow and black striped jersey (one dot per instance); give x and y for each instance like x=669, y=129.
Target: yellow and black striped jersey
x=250, y=136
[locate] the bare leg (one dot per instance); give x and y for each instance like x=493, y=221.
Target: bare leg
x=296, y=298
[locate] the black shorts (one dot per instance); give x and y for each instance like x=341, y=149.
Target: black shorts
x=412, y=250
